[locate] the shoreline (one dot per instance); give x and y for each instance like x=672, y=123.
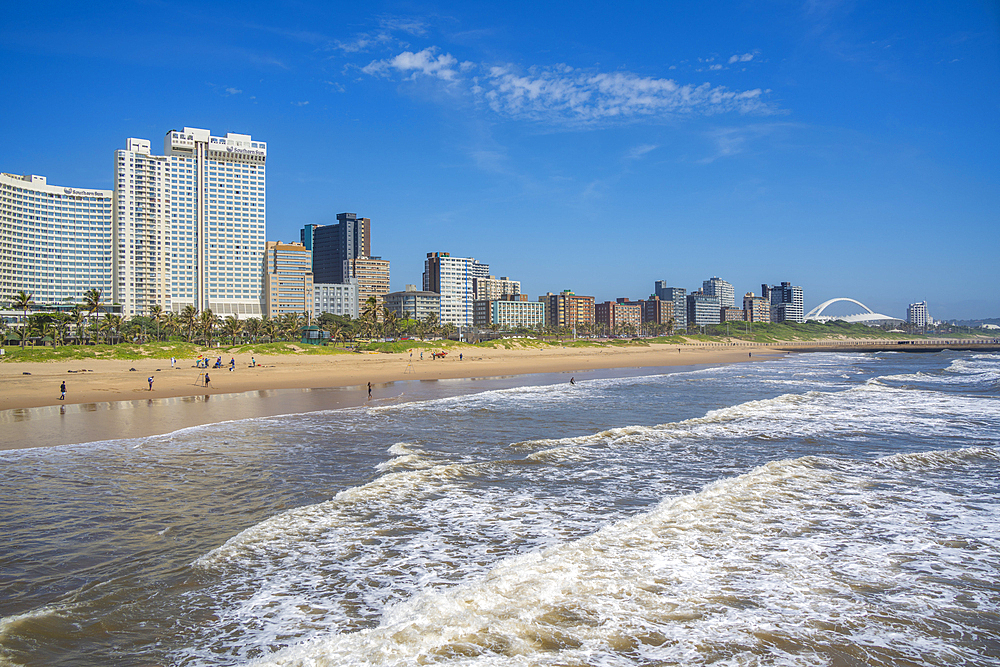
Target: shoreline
x=110, y=401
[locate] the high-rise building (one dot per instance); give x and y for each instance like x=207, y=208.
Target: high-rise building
x=142, y=233
x=55, y=241
x=718, y=287
x=490, y=288
x=756, y=308
x=786, y=302
x=702, y=309
x=288, y=280
x=677, y=295
x=210, y=218
x=332, y=245
x=372, y=274
x=567, y=309
x=452, y=278
x=916, y=314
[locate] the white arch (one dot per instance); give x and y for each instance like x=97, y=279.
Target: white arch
x=815, y=312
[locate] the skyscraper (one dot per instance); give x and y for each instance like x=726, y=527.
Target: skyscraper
x=718, y=287
x=55, y=241
x=288, y=281
x=786, y=302
x=209, y=216
x=916, y=314
x=452, y=277
x=332, y=245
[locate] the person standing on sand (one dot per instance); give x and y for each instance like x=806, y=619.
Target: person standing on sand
x=150, y=380
x=62, y=391
x=208, y=380
x=369, y=390
x=253, y=363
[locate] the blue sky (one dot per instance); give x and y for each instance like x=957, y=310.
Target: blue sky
x=848, y=147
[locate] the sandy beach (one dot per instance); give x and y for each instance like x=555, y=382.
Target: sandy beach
x=108, y=399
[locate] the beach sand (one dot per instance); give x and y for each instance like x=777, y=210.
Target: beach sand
x=106, y=399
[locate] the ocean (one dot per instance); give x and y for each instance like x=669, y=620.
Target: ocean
x=814, y=509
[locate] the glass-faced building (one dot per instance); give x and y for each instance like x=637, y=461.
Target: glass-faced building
x=55, y=241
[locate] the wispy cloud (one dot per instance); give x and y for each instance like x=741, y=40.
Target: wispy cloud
x=637, y=152
x=233, y=91
x=566, y=95
x=300, y=104
x=745, y=58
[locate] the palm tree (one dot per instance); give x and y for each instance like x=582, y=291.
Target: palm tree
x=77, y=319
x=188, y=319
x=111, y=325
x=156, y=314
x=92, y=302
x=252, y=328
x=207, y=323
x=391, y=320
x=22, y=301
x=369, y=316
x=232, y=327
x=431, y=321
x=269, y=328
x=290, y=325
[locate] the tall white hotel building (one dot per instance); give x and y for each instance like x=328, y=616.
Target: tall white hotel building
x=189, y=225
x=53, y=240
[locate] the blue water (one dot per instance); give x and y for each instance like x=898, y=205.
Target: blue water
x=820, y=509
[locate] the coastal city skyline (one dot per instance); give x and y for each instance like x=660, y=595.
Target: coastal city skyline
x=804, y=149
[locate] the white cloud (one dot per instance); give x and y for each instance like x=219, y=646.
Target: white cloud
x=715, y=67
x=563, y=94
x=301, y=104
x=422, y=62
x=233, y=91
x=745, y=58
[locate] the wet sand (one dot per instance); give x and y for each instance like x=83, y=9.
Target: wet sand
x=107, y=400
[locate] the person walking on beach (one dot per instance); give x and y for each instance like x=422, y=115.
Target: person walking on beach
x=459, y=356
x=208, y=380
x=253, y=363
x=172, y=361
x=62, y=391
x=369, y=390
x=232, y=363
x=150, y=381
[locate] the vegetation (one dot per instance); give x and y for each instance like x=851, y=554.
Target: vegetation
x=89, y=330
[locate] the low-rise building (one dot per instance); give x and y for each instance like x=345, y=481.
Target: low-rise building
x=414, y=304
x=620, y=313
x=732, y=314
x=756, y=308
x=336, y=298
x=657, y=311
x=509, y=313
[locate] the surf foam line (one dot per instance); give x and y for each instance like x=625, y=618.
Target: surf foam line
x=855, y=412
x=808, y=561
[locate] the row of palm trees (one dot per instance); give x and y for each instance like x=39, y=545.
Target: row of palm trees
x=82, y=323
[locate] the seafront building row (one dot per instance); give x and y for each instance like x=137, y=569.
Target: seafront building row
x=187, y=229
